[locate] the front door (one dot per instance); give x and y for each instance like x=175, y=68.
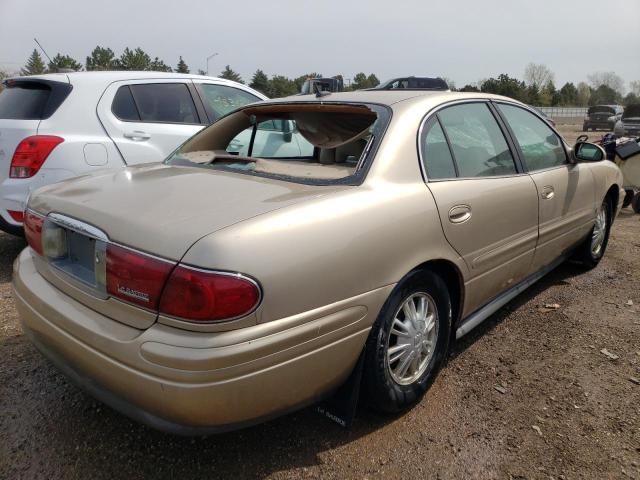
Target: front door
x=566, y=193
x=488, y=207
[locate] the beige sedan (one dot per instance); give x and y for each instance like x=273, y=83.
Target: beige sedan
x=229, y=284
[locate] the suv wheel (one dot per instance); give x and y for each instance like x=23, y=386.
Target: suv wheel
x=408, y=342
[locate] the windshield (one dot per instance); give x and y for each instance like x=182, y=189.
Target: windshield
x=306, y=142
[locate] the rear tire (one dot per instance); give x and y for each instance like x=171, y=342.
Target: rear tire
x=591, y=251
x=407, y=345
x=635, y=203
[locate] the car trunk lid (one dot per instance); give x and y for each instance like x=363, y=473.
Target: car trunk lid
x=164, y=209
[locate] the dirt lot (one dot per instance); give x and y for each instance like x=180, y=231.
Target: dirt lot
x=568, y=410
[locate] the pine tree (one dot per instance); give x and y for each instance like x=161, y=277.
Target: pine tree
x=182, y=66
x=260, y=81
x=134, y=60
x=229, y=74
x=64, y=62
x=34, y=66
x=102, y=59
x=159, y=66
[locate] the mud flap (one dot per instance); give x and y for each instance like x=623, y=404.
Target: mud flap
x=342, y=405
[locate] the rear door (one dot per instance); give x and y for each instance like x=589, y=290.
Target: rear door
x=487, y=205
x=148, y=119
x=565, y=191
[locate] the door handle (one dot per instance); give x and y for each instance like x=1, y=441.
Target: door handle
x=137, y=135
x=547, y=193
x=460, y=214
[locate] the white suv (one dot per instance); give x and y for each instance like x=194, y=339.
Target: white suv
x=57, y=126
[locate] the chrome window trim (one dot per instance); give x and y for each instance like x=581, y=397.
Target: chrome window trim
x=430, y=113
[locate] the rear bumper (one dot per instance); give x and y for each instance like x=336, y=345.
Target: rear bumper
x=15, y=191
x=5, y=226
x=170, y=380
x=599, y=124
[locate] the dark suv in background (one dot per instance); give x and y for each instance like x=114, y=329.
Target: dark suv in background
x=629, y=123
x=602, y=116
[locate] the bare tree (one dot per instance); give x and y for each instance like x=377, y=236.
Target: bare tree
x=609, y=79
x=634, y=87
x=538, y=74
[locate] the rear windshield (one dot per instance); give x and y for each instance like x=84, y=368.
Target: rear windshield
x=602, y=109
x=303, y=142
x=24, y=101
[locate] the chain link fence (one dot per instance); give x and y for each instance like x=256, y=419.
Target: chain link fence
x=565, y=114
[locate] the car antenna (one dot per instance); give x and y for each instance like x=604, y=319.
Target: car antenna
x=43, y=51
x=320, y=93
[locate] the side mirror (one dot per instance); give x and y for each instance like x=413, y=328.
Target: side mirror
x=588, y=152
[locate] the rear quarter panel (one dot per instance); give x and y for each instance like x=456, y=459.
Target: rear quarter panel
x=320, y=252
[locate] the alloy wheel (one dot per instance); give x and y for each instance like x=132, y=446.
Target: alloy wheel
x=412, y=339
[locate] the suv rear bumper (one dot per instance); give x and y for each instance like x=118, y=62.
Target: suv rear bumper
x=154, y=377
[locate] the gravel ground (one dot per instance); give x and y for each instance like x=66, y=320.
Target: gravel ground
x=562, y=409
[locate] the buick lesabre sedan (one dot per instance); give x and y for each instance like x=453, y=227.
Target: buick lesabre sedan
x=221, y=288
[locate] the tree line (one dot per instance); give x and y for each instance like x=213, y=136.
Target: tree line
x=536, y=88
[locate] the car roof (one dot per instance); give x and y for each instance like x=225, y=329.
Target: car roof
x=391, y=97
x=99, y=80
x=109, y=76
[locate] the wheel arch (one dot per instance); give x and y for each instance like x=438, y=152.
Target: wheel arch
x=613, y=195
x=450, y=273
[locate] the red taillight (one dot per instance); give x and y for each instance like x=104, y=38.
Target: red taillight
x=31, y=153
x=136, y=277
x=17, y=215
x=208, y=296
x=33, y=230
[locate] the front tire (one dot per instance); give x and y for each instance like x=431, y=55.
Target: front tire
x=408, y=342
x=592, y=249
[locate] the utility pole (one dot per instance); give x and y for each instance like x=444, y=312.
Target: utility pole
x=209, y=58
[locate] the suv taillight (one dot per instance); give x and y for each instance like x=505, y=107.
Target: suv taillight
x=205, y=296
x=31, y=153
x=33, y=230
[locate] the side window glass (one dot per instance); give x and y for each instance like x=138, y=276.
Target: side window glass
x=123, y=105
x=540, y=145
x=437, y=157
x=164, y=103
x=220, y=99
x=478, y=145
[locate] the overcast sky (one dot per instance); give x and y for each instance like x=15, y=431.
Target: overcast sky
x=465, y=40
